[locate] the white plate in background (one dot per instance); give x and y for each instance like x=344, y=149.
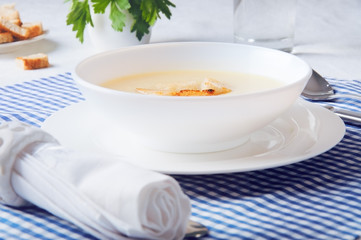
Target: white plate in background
x=12, y=46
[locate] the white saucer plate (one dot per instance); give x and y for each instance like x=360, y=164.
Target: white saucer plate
x=10, y=47
x=306, y=130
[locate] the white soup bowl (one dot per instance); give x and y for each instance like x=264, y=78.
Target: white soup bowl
x=191, y=124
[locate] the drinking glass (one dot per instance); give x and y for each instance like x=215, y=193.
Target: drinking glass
x=266, y=23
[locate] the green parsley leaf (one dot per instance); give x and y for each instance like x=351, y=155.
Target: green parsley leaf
x=139, y=26
x=117, y=14
x=122, y=4
x=79, y=17
x=149, y=11
x=146, y=12
x=99, y=6
x=165, y=9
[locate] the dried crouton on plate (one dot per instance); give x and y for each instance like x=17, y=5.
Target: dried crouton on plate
x=10, y=22
x=35, y=29
x=6, y=37
x=8, y=12
x=17, y=31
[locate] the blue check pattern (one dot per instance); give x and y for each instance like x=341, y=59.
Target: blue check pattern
x=319, y=198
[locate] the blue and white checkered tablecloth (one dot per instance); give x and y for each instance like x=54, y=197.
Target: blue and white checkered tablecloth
x=319, y=198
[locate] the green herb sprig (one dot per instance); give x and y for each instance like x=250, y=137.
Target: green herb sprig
x=144, y=12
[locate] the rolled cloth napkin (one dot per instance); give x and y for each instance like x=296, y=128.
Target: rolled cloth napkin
x=103, y=195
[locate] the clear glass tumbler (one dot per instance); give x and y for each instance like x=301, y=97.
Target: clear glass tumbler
x=266, y=23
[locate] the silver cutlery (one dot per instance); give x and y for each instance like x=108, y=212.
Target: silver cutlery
x=195, y=230
x=318, y=88
x=345, y=114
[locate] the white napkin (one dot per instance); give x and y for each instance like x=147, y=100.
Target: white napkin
x=104, y=195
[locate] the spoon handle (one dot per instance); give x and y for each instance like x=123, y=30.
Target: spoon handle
x=346, y=114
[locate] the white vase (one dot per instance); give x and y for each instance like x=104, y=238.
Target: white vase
x=104, y=37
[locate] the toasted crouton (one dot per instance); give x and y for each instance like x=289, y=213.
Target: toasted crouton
x=154, y=92
x=34, y=61
x=209, y=87
x=8, y=12
x=184, y=92
x=6, y=37
x=35, y=29
x=196, y=92
x=216, y=85
x=17, y=31
x=16, y=22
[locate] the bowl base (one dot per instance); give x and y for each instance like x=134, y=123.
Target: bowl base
x=187, y=146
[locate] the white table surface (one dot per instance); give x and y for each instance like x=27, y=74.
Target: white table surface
x=328, y=35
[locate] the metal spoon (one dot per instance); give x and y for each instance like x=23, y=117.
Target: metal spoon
x=318, y=88
x=195, y=230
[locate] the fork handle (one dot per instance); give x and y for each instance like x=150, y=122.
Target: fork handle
x=346, y=114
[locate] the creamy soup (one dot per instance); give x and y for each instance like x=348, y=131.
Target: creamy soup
x=178, y=80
